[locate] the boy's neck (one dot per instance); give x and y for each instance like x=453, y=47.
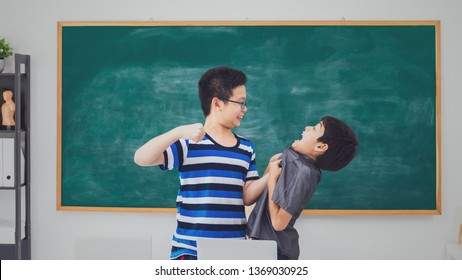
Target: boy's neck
x=310, y=154
x=221, y=134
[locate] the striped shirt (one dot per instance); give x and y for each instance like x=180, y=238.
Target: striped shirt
x=209, y=201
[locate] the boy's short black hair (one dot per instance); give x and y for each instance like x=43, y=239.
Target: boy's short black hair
x=342, y=143
x=219, y=82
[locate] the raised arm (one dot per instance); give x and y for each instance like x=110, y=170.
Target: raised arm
x=151, y=153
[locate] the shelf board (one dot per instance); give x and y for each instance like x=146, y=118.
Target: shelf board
x=9, y=133
x=7, y=75
x=13, y=187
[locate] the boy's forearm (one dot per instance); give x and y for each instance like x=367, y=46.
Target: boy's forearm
x=151, y=153
x=254, y=189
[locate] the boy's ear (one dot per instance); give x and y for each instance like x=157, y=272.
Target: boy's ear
x=321, y=147
x=216, y=103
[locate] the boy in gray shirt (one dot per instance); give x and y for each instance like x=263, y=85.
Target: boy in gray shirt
x=293, y=177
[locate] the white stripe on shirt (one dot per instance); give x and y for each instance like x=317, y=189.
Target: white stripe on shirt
x=252, y=173
x=183, y=245
x=246, y=148
x=169, y=159
x=211, y=180
x=212, y=200
x=180, y=236
x=212, y=221
x=230, y=161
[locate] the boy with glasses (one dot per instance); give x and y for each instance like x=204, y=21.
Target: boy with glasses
x=218, y=172
x=329, y=145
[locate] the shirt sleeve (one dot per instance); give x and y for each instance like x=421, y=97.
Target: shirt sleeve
x=175, y=155
x=294, y=188
x=252, y=173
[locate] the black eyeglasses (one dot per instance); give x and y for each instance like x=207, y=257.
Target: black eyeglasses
x=243, y=104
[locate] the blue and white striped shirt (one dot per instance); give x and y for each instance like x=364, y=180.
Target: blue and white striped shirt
x=209, y=201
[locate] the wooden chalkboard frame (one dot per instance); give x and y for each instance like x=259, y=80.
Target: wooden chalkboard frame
x=437, y=116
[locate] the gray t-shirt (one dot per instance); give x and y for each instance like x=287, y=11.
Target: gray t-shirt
x=294, y=189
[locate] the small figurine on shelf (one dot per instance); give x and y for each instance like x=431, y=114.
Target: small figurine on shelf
x=8, y=109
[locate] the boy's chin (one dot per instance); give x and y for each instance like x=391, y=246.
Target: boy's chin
x=297, y=146
x=295, y=143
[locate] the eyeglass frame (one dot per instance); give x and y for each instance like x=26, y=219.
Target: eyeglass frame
x=243, y=104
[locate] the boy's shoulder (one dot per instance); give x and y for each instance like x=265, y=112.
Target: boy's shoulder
x=243, y=139
x=245, y=144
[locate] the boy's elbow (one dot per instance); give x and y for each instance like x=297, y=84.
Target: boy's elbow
x=278, y=225
x=280, y=218
x=247, y=201
x=138, y=159
x=143, y=160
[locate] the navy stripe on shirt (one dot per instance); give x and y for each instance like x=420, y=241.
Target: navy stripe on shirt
x=203, y=187
x=214, y=207
x=211, y=227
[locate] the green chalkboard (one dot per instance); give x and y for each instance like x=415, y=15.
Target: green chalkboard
x=122, y=83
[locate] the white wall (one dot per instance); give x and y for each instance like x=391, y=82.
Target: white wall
x=31, y=27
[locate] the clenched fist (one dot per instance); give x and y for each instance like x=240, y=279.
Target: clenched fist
x=194, y=132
